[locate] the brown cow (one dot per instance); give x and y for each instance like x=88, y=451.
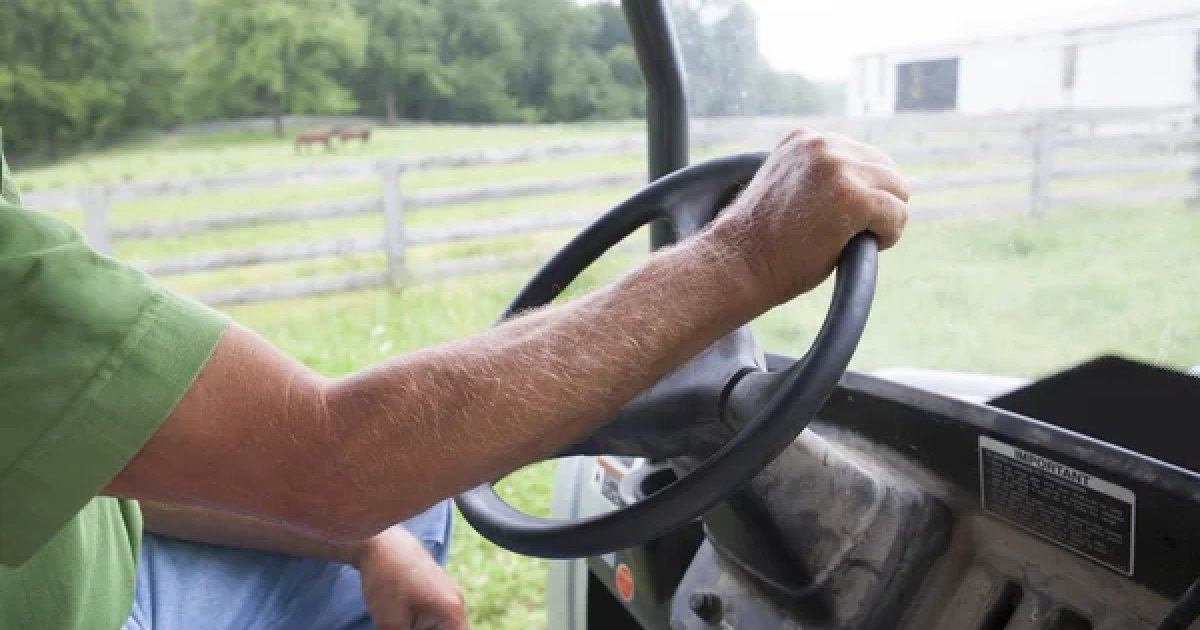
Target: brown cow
x=317, y=136
x=352, y=133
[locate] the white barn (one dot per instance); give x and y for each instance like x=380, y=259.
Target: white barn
x=1140, y=55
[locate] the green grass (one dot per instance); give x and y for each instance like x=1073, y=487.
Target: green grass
x=1000, y=295
x=1024, y=297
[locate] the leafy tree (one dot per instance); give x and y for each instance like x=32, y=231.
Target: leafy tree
x=402, y=55
x=272, y=57
x=551, y=32
x=567, y=67
x=174, y=20
x=622, y=62
x=439, y=60
x=608, y=29
x=479, y=44
x=76, y=71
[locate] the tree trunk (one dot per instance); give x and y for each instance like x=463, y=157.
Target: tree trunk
x=281, y=100
x=389, y=103
x=277, y=119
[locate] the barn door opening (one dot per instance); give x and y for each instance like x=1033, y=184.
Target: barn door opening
x=927, y=86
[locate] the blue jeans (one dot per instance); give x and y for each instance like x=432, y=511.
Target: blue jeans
x=190, y=585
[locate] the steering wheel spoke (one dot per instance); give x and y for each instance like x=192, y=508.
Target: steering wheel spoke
x=682, y=413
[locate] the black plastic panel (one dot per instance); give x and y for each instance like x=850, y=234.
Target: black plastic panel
x=1144, y=408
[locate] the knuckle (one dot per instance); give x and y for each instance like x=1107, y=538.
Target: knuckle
x=846, y=194
x=824, y=164
x=899, y=178
x=816, y=143
x=797, y=135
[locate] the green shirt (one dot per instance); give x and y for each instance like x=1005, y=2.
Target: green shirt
x=94, y=355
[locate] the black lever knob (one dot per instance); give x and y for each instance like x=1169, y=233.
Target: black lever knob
x=706, y=605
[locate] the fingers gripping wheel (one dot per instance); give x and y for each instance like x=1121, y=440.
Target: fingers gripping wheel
x=689, y=199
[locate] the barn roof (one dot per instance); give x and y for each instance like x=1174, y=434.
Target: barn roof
x=1102, y=17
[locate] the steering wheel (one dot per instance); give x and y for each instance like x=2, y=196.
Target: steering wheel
x=688, y=199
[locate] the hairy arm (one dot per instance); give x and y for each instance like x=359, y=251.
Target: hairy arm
x=260, y=434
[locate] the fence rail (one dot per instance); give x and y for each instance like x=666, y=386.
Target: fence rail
x=358, y=169
x=188, y=226
x=1017, y=160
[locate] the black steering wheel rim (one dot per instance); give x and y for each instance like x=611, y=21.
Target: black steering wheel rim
x=689, y=199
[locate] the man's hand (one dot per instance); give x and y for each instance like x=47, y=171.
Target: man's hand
x=813, y=194
x=405, y=589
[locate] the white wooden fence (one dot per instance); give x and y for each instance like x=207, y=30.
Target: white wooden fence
x=1013, y=163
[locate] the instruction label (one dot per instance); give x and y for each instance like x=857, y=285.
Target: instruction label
x=1088, y=515
x=608, y=471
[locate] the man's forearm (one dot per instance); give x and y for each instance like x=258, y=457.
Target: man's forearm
x=262, y=435
x=465, y=413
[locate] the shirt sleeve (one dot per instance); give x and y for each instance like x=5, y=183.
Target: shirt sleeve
x=94, y=355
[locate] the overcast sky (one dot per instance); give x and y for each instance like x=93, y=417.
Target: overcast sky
x=818, y=37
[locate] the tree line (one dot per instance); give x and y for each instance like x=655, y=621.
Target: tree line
x=78, y=72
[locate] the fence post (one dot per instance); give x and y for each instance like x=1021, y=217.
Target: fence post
x=95, y=219
x=1044, y=131
x=393, y=218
